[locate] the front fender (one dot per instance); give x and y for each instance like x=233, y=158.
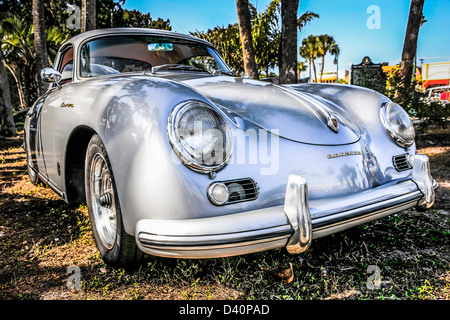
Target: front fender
x=134, y=131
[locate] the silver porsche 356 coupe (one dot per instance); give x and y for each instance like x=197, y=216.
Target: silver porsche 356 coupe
x=177, y=157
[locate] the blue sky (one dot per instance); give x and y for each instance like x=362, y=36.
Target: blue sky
x=345, y=20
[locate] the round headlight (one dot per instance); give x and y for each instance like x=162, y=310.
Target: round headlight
x=398, y=124
x=200, y=136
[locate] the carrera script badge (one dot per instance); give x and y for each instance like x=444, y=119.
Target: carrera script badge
x=343, y=154
x=66, y=105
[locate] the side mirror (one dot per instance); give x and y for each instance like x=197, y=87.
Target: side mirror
x=51, y=75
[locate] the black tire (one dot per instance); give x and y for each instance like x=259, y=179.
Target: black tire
x=32, y=175
x=117, y=248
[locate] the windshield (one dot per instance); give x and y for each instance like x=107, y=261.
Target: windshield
x=134, y=53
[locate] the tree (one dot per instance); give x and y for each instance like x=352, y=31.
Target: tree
x=39, y=43
x=136, y=19
x=301, y=66
x=326, y=44
x=305, y=18
x=410, y=47
x=7, y=126
x=109, y=13
x=18, y=49
x=17, y=44
x=227, y=41
x=310, y=51
x=88, y=15
x=266, y=35
x=288, y=45
x=245, y=31
x=23, y=9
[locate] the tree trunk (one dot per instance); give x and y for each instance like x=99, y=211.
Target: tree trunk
x=245, y=31
x=19, y=87
x=322, y=67
x=40, y=43
x=7, y=126
x=288, y=57
x=315, y=73
x=309, y=80
x=88, y=15
x=410, y=47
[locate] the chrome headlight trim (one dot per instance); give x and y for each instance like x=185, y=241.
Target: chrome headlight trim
x=182, y=147
x=392, y=129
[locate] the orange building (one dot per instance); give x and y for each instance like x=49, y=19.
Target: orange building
x=436, y=74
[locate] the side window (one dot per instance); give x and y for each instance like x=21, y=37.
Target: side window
x=66, y=66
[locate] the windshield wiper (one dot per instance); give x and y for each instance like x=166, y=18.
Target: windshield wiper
x=176, y=67
x=186, y=67
x=222, y=72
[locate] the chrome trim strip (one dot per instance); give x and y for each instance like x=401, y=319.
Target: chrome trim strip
x=217, y=251
x=207, y=246
x=346, y=224
x=60, y=193
x=383, y=194
x=227, y=239
x=317, y=107
x=374, y=207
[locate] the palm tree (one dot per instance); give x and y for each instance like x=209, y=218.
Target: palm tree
x=266, y=35
x=245, y=31
x=290, y=23
x=305, y=18
x=17, y=44
x=301, y=66
x=39, y=43
x=88, y=15
x=310, y=51
x=288, y=45
x=326, y=44
x=227, y=41
x=410, y=46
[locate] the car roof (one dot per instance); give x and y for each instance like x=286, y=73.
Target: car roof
x=76, y=40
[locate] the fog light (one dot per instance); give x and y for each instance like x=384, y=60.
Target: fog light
x=218, y=193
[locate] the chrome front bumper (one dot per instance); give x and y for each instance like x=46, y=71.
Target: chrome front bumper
x=293, y=225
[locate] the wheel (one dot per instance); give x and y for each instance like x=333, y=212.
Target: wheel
x=116, y=247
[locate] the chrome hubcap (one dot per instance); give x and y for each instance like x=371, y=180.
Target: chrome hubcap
x=103, y=203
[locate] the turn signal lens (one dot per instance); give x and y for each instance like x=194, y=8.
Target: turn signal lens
x=218, y=193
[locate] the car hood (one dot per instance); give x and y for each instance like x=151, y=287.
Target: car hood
x=291, y=114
